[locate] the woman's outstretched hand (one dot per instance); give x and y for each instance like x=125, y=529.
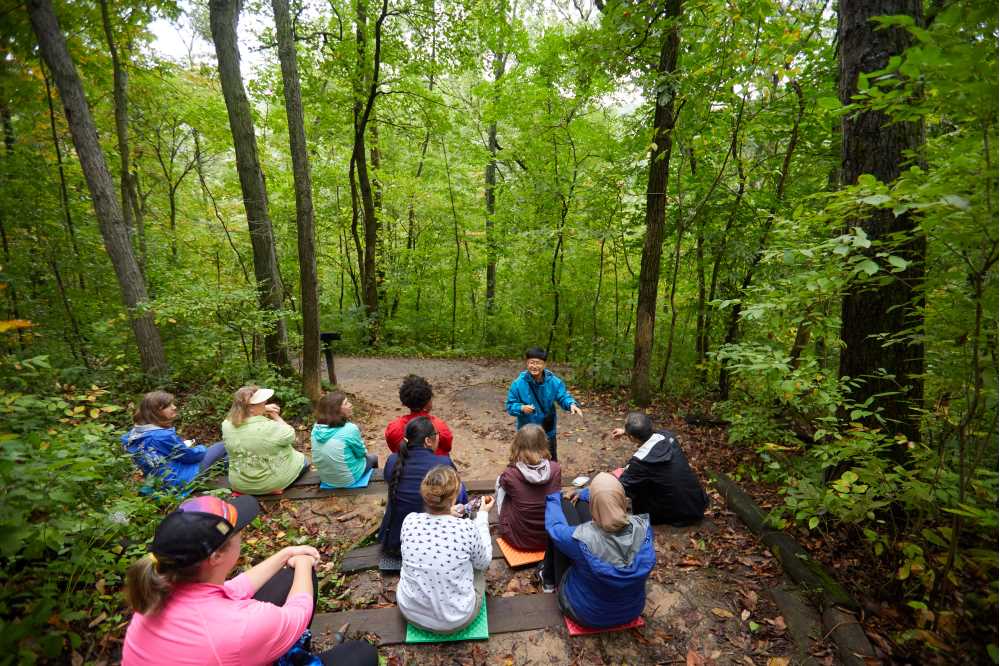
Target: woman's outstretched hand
x=487, y=504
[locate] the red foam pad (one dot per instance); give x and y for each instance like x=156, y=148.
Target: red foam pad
x=579, y=630
x=618, y=472
x=519, y=558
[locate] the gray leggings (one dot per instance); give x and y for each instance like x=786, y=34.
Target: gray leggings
x=214, y=454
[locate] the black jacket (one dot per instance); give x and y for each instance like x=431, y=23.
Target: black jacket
x=660, y=482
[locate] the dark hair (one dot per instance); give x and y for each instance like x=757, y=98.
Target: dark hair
x=415, y=392
x=418, y=430
x=149, y=410
x=536, y=352
x=639, y=426
x=328, y=409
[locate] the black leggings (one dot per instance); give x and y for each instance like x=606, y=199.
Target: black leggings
x=556, y=564
x=349, y=653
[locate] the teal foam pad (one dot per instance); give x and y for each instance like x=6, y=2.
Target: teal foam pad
x=478, y=630
x=360, y=483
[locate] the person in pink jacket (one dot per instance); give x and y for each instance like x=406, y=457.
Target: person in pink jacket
x=187, y=613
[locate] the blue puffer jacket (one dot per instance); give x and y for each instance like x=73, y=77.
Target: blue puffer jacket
x=408, y=500
x=551, y=390
x=159, y=452
x=600, y=594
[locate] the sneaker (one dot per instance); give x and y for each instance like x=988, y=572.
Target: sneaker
x=547, y=588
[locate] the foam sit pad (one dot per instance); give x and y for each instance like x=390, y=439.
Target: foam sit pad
x=360, y=483
x=478, y=630
x=579, y=630
x=390, y=563
x=618, y=472
x=519, y=558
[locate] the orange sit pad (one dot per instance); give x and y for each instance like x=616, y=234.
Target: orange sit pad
x=579, y=630
x=618, y=472
x=519, y=558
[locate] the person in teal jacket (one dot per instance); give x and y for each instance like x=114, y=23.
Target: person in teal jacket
x=533, y=396
x=338, y=450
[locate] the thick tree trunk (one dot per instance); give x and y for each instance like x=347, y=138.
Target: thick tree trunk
x=874, y=144
x=656, y=199
x=305, y=222
x=95, y=170
x=224, y=16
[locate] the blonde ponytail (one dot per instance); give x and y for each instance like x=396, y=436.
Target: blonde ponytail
x=439, y=489
x=147, y=589
x=240, y=411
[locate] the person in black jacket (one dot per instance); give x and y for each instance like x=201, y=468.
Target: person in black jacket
x=657, y=478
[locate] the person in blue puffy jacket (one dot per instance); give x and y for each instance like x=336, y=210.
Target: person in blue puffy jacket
x=603, y=554
x=157, y=449
x=534, y=394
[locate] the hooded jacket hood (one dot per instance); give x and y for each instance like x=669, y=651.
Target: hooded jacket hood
x=140, y=431
x=535, y=474
x=324, y=433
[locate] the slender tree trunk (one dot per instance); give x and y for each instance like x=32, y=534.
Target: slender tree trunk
x=656, y=198
x=224, y=17
x=499, y=67
x=304, y=218
x=95, y=169
x=673, y=278
x=63, y=190
x=732, y=330
x=121, y=120
x=458, y=245
x=8, y=140
x=874, y=144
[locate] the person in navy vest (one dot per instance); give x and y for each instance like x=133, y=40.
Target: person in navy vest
x=533, y=396
x=657, y=478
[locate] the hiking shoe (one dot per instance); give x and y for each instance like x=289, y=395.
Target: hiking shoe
x=547, y=588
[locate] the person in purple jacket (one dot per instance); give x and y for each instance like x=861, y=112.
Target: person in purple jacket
x=158, y=450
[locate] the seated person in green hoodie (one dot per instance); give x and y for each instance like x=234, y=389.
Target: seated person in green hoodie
x=338, y=450
x=262, y=456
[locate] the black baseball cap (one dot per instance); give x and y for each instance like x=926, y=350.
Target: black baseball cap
x=198, y=527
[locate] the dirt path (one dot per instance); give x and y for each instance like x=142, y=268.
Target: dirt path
x=707, y=599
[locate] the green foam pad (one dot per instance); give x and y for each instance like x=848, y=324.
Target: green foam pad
x=478, y=630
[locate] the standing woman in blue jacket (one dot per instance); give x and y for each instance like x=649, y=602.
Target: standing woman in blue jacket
x=533, y=397
x=603, y=554
x=156, y=448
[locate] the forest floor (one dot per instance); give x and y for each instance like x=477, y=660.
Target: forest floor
x=709, y=599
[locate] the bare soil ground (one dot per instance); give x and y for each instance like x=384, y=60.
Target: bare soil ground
x=708, y=598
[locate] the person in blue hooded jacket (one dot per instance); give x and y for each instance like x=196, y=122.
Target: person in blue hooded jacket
x=603, y=554
x=158, y=450
x=533, y=397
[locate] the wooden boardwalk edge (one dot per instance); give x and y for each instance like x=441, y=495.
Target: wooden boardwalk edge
x=524, y=612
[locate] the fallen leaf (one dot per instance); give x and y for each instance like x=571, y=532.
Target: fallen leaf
x=777, y=661
x=722, y=612
x=745, y=615
x=97, y=620
x=694, y=659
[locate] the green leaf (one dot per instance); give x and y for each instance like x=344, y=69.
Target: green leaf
x=828, y=103
x=813, y=522
x=898, y=262
x=876, y=199
x=868, y=266
x=956, y=201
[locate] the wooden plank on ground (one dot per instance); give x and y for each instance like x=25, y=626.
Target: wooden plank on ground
x=474, y=486
x=525, y=612
x=366, y=558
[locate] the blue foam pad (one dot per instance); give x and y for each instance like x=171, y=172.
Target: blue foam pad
x=360, y=483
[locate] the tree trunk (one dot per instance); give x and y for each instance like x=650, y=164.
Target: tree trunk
x=499, y=66
x=95, y=170
x=120, y=90
x=732, y=329
x=224, y=16
x=874, y=144
x=304, y=218
x=656, y=199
